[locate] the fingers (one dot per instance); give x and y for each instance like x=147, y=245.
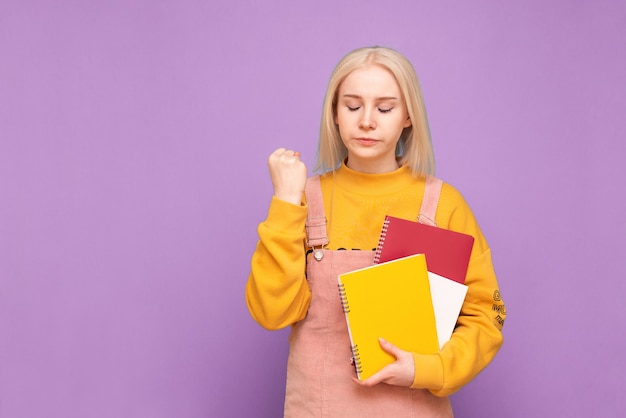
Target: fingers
x=284, y=158
x=283, y=152
x=376, y=378
x=399, y=373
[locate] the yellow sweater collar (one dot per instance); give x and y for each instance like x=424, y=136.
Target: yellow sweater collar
x=372, y=184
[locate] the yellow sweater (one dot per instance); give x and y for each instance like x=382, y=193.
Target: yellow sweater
x=355, y=204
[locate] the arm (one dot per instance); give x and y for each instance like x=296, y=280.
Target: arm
x=277, y=293
x=476, y=339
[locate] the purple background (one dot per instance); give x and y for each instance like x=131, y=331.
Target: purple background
x=133, y=145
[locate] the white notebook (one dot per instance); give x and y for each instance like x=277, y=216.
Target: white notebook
x=448, y=297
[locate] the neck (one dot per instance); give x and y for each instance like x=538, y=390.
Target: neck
x=373, y=184
x=372, y=167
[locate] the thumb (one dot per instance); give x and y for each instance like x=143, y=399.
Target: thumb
x=389, y=348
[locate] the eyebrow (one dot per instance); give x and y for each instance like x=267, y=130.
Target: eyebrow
x=356, y=96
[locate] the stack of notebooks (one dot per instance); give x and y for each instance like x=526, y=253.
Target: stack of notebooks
x=411, y=296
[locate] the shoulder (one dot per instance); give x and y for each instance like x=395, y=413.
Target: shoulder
x=451, y=195
x=453, y=211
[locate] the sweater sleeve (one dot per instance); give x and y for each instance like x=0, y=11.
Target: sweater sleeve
x=277, y=293
x=478, y=334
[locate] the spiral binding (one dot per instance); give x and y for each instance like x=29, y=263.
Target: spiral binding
x=381, y=241
x=356, y=359
x=344, y=298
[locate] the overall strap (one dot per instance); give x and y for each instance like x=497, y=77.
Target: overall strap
x=430, y=201
x=316, y=219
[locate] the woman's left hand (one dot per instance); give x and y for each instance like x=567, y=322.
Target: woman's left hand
x=399, y=373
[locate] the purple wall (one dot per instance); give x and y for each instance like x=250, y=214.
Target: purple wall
x=133, y=146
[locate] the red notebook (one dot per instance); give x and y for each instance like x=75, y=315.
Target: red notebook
x=447, y=252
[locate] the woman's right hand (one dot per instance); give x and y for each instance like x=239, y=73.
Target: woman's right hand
x=288, y=175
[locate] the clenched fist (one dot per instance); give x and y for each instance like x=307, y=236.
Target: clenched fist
x=288, y=175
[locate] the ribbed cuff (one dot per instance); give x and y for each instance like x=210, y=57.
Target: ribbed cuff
x=428, y=372
x=285, y=216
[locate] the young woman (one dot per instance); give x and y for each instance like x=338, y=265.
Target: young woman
x=376, y=159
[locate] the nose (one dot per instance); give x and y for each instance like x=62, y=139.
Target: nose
x=367, y=122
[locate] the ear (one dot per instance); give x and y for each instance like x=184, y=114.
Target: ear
x=407, y=123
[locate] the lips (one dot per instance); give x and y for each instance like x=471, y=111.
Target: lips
x=366, y=141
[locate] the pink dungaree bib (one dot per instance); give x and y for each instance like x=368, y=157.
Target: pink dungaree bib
x=319, y=371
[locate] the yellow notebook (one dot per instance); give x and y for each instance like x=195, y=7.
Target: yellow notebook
x=389, y=300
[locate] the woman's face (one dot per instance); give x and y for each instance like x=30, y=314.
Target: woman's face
x=371, y=114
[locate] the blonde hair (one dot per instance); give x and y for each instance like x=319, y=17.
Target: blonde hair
x=414, y=147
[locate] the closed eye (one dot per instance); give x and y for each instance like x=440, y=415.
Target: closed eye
x=385, y=110
x=353, y=109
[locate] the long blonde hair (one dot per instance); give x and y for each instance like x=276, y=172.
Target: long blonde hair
x=414, y=147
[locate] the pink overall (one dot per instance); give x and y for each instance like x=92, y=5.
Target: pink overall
x=319, y=371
